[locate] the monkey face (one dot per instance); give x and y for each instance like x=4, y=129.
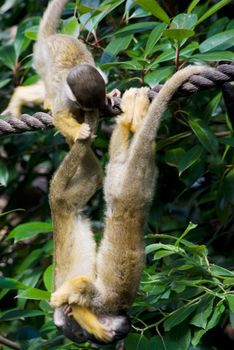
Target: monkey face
x=119, y=326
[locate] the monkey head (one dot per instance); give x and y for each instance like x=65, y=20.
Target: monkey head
x=86, y=87
x=117, y=325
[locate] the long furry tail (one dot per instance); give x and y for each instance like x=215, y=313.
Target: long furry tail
x=51, y=17
x=160, y=102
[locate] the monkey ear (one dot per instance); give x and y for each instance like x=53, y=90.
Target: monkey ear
x=105, y=78
x=69, y=93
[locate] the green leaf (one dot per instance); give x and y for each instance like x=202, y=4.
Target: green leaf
x=178, y=34
x=184, y=21
x=191, y=226
x=8, y=56
x=82, y=9
x=189, y=49
x=227, y=140
x=189, y=158
x=157, y=246
x=179, y=316
x=90, y=23
x=174, y=156
x=11, y=283
x=170, y=140
x=229, y=281
x=160, y=254
x=48, y=277
x=220, y=271
x=4, y=82
x=158, y=75
x=29, y=230
x=30, y=260
x=136, y=341
x=136, y=28
x=155, y=35
x=165, y=56
x=114, y=47
x=4, y=174
x=213, y=9
x=71, y=27
x=153, y=7
x=31, y=33
x=7, y=5
x=215, y=56
x=203, y=312
x=31, y=80
x=35, y=294
x=218, y=41
x=21, y=42
x=178, y=339
x=230, y=300
x=192, y=5
x=204, y=135
x=16, y=314
x=214, y=320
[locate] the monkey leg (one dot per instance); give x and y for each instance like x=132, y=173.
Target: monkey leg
x=76, y=180
x=75, y=250
x=23, y=95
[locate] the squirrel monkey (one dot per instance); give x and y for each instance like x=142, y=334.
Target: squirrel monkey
x=100, y=288
x=73, y=84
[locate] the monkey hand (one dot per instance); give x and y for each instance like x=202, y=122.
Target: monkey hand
x=135, y=104
x=83, y=132
x=78, y=290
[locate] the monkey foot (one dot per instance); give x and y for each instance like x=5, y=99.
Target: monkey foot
x=135, y=104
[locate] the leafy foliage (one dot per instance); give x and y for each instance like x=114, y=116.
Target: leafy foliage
x=187, y=285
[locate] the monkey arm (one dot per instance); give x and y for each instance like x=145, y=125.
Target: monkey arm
x=65, y=122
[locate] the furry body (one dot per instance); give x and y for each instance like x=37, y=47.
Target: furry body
x=112, y=277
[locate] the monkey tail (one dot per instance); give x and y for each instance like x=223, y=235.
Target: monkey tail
x=50, y=19
x=160, y=102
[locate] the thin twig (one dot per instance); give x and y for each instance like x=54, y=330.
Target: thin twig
x=11, y=344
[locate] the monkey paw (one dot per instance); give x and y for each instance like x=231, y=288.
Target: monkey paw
x=135, y=103
x=75, y=291
x=83, y=132
x=58, y=298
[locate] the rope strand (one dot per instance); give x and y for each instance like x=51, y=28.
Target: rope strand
x=219, y=77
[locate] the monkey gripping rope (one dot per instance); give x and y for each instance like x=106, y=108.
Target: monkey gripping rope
x=219, y=77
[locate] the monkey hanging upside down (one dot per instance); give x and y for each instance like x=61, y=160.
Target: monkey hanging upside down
x=101, y=287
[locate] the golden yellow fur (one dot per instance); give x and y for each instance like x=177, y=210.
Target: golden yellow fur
x=107, y=283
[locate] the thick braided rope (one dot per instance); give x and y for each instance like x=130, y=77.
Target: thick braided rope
x=219, y=77
x=222, y=74
x=37, y=121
